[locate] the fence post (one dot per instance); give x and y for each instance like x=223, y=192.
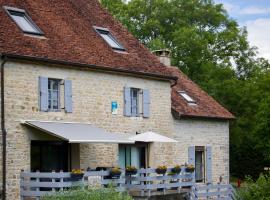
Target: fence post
x=37, y=188
x=22, y=180
x=53, y=180
x=61, y=180
x=142, y=183
x=163, y=182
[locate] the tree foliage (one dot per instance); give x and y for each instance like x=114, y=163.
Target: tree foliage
x=213, y=51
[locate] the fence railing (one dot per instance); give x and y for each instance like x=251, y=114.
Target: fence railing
x=210, y=191
x=37, y=184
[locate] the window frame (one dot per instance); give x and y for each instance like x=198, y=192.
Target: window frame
x=58, y=94
x=23, y=13
x=106, y=31
x=184, y=95
x=202, y=150
x=137, y=114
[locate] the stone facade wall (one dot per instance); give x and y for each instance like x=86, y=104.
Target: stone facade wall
x=204, y=133
x=92, y=95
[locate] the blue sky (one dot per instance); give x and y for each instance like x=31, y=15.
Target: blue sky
x=255, y=15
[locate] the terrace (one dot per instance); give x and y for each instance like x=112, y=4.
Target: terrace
x=143, y=184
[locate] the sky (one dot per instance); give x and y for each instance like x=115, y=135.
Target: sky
x=255, y=15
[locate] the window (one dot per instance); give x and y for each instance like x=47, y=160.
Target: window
x=23, y=21
x=49, y=155
x=134, y=102
x=109, y=38
x=133, y=155
x=54, y=94
x=200, y=164
x=187, y=97
x=49, y=94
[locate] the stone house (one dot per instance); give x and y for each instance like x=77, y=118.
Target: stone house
x=68, y=67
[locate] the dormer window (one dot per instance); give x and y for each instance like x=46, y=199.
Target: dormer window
x=109, y=38
x=25, y=23
x=189, y=99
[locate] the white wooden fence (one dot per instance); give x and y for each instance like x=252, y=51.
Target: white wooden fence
x=210, y=191
x=37, y=184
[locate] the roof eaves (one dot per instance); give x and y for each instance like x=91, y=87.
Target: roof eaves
x=179, y=115
x=89, y=66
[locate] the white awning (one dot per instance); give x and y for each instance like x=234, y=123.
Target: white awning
x=79, y=132
x=151, y=137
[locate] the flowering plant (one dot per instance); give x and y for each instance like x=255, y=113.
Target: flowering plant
x=131, y=170
x=77, y=171
x=115, y=172
x=176, y=169
x=190, y=168
x=161, y=169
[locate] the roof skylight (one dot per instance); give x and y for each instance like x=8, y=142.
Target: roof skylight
x=109, y=38
x=188, y=98
x=25, y=23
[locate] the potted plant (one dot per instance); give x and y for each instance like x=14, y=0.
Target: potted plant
x=115, y=172
x=161, y=169
x=76, y=174
x=131, y=170
x=190, y=168
x=176, y=169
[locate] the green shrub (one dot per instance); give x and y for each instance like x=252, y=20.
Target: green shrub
x=88, y=194
x=259, y=190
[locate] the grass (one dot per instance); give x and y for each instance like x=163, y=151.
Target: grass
x=88, y=194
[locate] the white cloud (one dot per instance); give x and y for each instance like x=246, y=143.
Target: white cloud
x=258, y=35
x=252, y=10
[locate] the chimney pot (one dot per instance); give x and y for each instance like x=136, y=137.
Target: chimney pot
x=164, y=56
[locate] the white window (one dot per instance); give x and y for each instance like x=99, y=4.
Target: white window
x=135, y=93
x=109, y=38
x=187, y=97
x=54, y=94
x=23, y=21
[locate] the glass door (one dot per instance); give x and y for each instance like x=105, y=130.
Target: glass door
x=47, y=156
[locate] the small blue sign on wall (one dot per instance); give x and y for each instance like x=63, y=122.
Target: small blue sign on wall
x=114, y=108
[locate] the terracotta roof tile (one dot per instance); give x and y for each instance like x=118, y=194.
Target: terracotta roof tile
x=206, y=106
x=69, y=35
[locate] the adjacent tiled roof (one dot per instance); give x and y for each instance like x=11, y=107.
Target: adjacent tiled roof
x=206, y=106
x=69, y=36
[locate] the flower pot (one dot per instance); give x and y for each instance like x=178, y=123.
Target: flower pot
x=161, y=171
x=76, y=177
x=190, y=170
x=176, y=170
x=133, y=172
x=115, y=175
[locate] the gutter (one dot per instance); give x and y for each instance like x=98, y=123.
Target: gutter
x=91, y=66
x=179, y=116
x=3, y=128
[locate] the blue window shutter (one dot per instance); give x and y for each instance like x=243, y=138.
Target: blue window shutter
x=43, y=93
x=146, y=103
x=209, y=164
x=191, y=158
x=191, y=155
x=127, y=102
x=68, y=96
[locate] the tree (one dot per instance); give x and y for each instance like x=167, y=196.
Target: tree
x=213, y=51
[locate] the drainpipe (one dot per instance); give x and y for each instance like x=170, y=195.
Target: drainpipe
x=4, y=132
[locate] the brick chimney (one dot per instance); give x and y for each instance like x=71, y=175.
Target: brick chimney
x=164, y=56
